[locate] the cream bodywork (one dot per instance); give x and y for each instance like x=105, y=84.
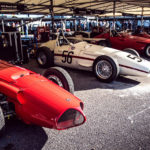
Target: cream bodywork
x=83, y=56
x=81, y=38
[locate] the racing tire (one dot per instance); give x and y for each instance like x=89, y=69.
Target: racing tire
x=104, y=43
x=61, y=77
x=147, y=51
x=2, y=122
x=105, y=69
x=132, y=51
x=45, y=57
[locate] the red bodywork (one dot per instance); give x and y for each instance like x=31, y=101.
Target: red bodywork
x=143, y=34
x=123, y=41
x=38, y=100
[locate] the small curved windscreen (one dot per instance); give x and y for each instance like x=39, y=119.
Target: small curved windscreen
x=70, y=118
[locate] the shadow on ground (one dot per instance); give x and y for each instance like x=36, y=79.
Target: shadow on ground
x=84, y=80
x=19, y=136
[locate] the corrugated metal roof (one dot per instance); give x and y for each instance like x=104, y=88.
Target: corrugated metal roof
x=93, y=7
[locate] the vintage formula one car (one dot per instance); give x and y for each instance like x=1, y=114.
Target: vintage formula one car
x=123, y=41
x=107, y=63
x=37, y=100
x=142, y=34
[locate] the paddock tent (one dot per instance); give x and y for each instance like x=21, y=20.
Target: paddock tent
x=78, y=7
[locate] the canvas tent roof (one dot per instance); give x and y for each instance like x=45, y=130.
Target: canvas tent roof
x=91, y=7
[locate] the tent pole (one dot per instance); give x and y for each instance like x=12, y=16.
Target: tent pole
x=3, y=28
x=52, y=13
x=142, y=21
x=114, y=17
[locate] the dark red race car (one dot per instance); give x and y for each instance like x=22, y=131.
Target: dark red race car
x=124, y=41
x=142, y=34
x=37, y=100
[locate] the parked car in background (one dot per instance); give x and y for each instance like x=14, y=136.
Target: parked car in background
x=142, y=34
x=122, y=41
x=86, y=36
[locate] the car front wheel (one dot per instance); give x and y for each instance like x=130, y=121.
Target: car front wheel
x=61, y=77
x=2, y=122
x=105, y=69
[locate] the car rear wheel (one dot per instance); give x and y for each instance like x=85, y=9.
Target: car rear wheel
x=61, y=77
x=105, y=69
x=132, y=51
x=147, y=51
x=45, y=57
x=2, y=122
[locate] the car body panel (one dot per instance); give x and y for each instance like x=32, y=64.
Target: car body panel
x=37, y=100
x=126, y=41
x=142, y=34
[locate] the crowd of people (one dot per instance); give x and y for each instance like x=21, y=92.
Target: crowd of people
x=92, y=26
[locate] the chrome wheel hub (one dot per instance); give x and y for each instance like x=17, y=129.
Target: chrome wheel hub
x=103, y=69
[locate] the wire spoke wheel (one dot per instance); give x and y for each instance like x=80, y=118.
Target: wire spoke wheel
x=61, y=77
x=56, y=80
x=103, y=69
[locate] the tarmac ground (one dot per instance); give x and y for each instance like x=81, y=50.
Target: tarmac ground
x=118, y=118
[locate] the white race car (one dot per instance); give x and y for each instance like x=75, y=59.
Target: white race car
x=106, y=63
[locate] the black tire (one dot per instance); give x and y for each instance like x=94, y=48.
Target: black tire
x=147, y=51
x=131, y=51
x=60, y=77
x=105, y=69
x=2, y=122
x=104, y=43
x=45, y=57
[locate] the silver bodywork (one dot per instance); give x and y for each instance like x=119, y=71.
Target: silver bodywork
x=82, y=56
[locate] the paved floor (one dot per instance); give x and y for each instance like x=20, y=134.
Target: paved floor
x=118, y=118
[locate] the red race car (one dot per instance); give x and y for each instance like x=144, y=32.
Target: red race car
x=123, y=41
x=37, y=100
x=142, y=34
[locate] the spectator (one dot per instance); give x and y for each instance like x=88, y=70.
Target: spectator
x=138, y=30
x=94, y=32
